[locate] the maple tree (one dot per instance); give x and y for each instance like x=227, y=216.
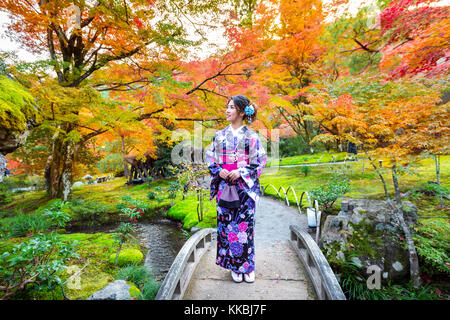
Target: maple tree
x=416, y=36
x=102, y=33
x=282, y=43
x=394, y=121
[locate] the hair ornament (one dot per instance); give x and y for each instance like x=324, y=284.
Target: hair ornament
x=249, y=111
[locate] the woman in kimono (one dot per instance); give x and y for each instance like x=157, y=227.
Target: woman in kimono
x=235, y=161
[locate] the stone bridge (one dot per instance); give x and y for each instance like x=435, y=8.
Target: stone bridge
x=288, y=263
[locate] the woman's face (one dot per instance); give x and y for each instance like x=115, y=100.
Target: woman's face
x=232, y=113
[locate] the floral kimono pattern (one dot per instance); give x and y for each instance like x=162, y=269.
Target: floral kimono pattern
x=235, y=227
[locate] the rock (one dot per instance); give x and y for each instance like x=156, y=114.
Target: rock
x=19, y=113
x=116, y=290
x=194, y=229
x=397, y=266
x=369, y=229
x=77, y=184
x=3, y=163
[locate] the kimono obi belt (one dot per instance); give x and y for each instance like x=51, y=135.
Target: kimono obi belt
x=229, y=197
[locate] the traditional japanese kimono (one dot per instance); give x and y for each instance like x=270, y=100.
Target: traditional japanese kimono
x=235, y=227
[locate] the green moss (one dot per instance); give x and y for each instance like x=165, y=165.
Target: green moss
x=95, y=251
x=134, y=291
x=362, y=185
x=322, y=157
x=127, y=256
x=17, y=105
x=82, y=286
x=186, y=211
x=365, y=240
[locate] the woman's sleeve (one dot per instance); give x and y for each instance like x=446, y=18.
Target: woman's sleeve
x=212, y=160
x=258, y=158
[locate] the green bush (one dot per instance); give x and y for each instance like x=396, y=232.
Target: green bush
x=434, y=189
x=136, y=274
x=292, y=146
x=142, y=278
x=5, y=197
x=129, y=202
x=24, y=224
x=127, y=256
x=134, y=291
x=305, y=170
x=38, y=260
x=150, y=289
x=326, y=195
x=433, y=246
x=89, y=211
x=21, y=181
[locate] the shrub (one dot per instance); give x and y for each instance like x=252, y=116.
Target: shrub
x=124, y=232
x=38, y=261
x=136, y=274
x=134, y=291
x=142, y=278
x=292, y=146
x=434, y=189
x=305, y=170
x=326, y=195
x=5, y=197
x=89, y=211
x=151, y=195
x=24, y=224
x=432, y=245
x=127, y=256
x=129, y=202
x=150, y=289
x=56, y=217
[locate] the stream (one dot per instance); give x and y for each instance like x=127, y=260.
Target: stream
x=162, y=238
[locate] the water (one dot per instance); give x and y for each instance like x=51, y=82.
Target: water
x=163, y=240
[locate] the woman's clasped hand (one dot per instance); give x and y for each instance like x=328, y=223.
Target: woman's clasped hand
x=231, y=175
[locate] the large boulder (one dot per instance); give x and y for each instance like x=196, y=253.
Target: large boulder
x=368, y=231
x=18, y=115
x=3, y=163
x=116, y=290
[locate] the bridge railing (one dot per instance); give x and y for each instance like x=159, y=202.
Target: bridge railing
x=286, y=192
x=180, y=273
x=319, y=271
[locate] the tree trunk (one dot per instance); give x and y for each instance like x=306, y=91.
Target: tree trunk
x=437, y=162
x=126, y=173
x=398, y=198
x=380, y=175
x=58, y=173
x=53, y=169
x=413, y=258
x=65, y=186
x=117, y=254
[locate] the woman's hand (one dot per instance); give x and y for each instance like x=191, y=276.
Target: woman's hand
x=224, y=173
x=233, y=175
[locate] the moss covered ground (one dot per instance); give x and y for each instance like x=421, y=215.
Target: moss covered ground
x=364, y=183
x=95, y=249
x=322, y=157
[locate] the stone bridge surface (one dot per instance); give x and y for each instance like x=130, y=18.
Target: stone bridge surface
x=280, y=274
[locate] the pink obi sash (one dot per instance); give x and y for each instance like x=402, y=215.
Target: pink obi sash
x=229, y=166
